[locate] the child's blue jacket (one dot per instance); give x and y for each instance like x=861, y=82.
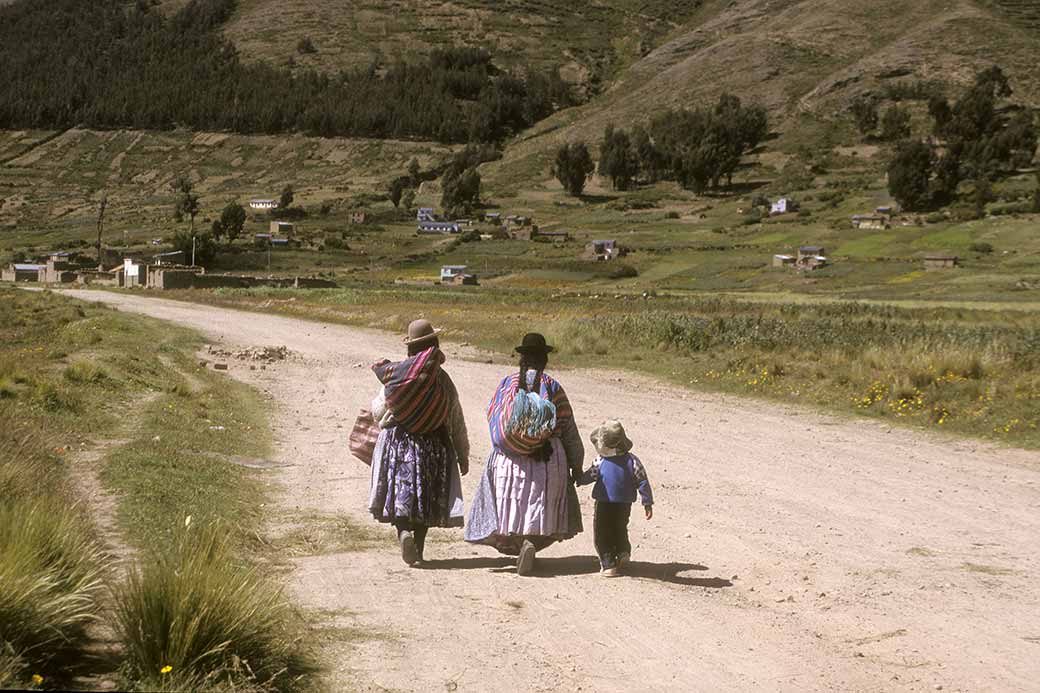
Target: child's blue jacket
x=618, y=479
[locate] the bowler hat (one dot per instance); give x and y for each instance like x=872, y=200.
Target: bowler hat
x=534, y=343
x=610, y=439
x=420, y=331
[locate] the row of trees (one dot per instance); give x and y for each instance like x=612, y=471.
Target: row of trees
x=698, y=148
x=972, y=139
x=108, y=64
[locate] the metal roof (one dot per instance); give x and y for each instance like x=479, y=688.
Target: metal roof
x=26, y=267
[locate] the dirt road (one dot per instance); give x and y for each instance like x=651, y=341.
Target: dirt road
x=788, y=550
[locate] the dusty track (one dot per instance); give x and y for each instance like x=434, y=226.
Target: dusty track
x=788, y=551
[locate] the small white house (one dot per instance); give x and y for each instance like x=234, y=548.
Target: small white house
x=263, y=205
x=783, y=206
x=438, y=227
x=449, y=272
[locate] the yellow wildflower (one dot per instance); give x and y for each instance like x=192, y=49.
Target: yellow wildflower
x=37, y=679
x=166, y=669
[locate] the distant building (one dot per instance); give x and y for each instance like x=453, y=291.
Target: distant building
x=174, y=257
x=465, y=280
x=810, y=251
x=884, y=211
x=283, y=228
x=783, y=206
x=357, y=218
x=60, y=268
x=449, y=272
x=940, y=261
x=22, y=272
x=438, y=227
x=554, y=236
x=425, y=214
x=263, y=205
x=784, y=260
x=493, y=217
x=604, y=250
x=869, y=221
x=811, y=257
x=524, y=233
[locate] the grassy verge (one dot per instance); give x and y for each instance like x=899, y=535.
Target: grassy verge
x=78, y=376
x=972, y=372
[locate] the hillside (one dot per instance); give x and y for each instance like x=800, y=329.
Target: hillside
x=592, y=40
x=805, y=60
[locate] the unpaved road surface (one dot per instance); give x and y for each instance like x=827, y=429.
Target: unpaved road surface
x=788, y=550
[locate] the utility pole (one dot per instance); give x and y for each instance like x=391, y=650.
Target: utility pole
x=100, y=228
x=193, y=250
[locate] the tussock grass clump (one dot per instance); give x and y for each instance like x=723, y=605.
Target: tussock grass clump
x=192, y=617
x=50, y=582
x=85, y=372
x=51, y=567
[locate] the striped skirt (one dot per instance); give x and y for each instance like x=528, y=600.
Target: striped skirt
x=522, y=498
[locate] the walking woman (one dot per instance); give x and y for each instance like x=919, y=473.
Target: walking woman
x=525, y=500
x=422, y=447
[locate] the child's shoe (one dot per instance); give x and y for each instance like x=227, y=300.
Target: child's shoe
x=610, y=572
x=622, y=560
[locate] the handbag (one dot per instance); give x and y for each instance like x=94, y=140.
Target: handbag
x=363, y=437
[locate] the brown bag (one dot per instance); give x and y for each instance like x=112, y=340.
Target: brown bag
x=363, y=436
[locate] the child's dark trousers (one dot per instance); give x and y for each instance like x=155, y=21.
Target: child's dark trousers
x=610, y=528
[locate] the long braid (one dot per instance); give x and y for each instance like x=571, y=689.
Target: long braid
x=535, y=363
x=522, y=384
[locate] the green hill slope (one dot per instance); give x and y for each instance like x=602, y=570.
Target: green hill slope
x=802, y=59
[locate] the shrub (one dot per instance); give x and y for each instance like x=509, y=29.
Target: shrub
x=622, y=271
x=306, y=46
x=193, y=609
x=672, y=215
x=85, y=372
x=50, y=581
x=984, y=248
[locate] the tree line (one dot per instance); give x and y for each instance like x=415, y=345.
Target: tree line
x=107, y=63
x=698, y=147
x=973, y=138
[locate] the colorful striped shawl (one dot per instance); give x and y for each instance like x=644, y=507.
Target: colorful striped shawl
x=415, y=394
x=500, y=412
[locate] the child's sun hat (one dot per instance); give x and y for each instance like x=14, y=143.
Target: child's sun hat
x=610, y=439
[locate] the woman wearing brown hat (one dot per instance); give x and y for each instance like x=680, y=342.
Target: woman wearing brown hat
x=525, y=500
x=422, y=448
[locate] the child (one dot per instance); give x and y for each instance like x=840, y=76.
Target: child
x=618, y=475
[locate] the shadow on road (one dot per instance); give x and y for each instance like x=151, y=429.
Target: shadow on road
x=584, y=565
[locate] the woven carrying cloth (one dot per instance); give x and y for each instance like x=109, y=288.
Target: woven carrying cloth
x=520, y=422
x=415, y=394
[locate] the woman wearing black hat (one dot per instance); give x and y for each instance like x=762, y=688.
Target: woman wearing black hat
x=525, y=500
x=422, y=448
